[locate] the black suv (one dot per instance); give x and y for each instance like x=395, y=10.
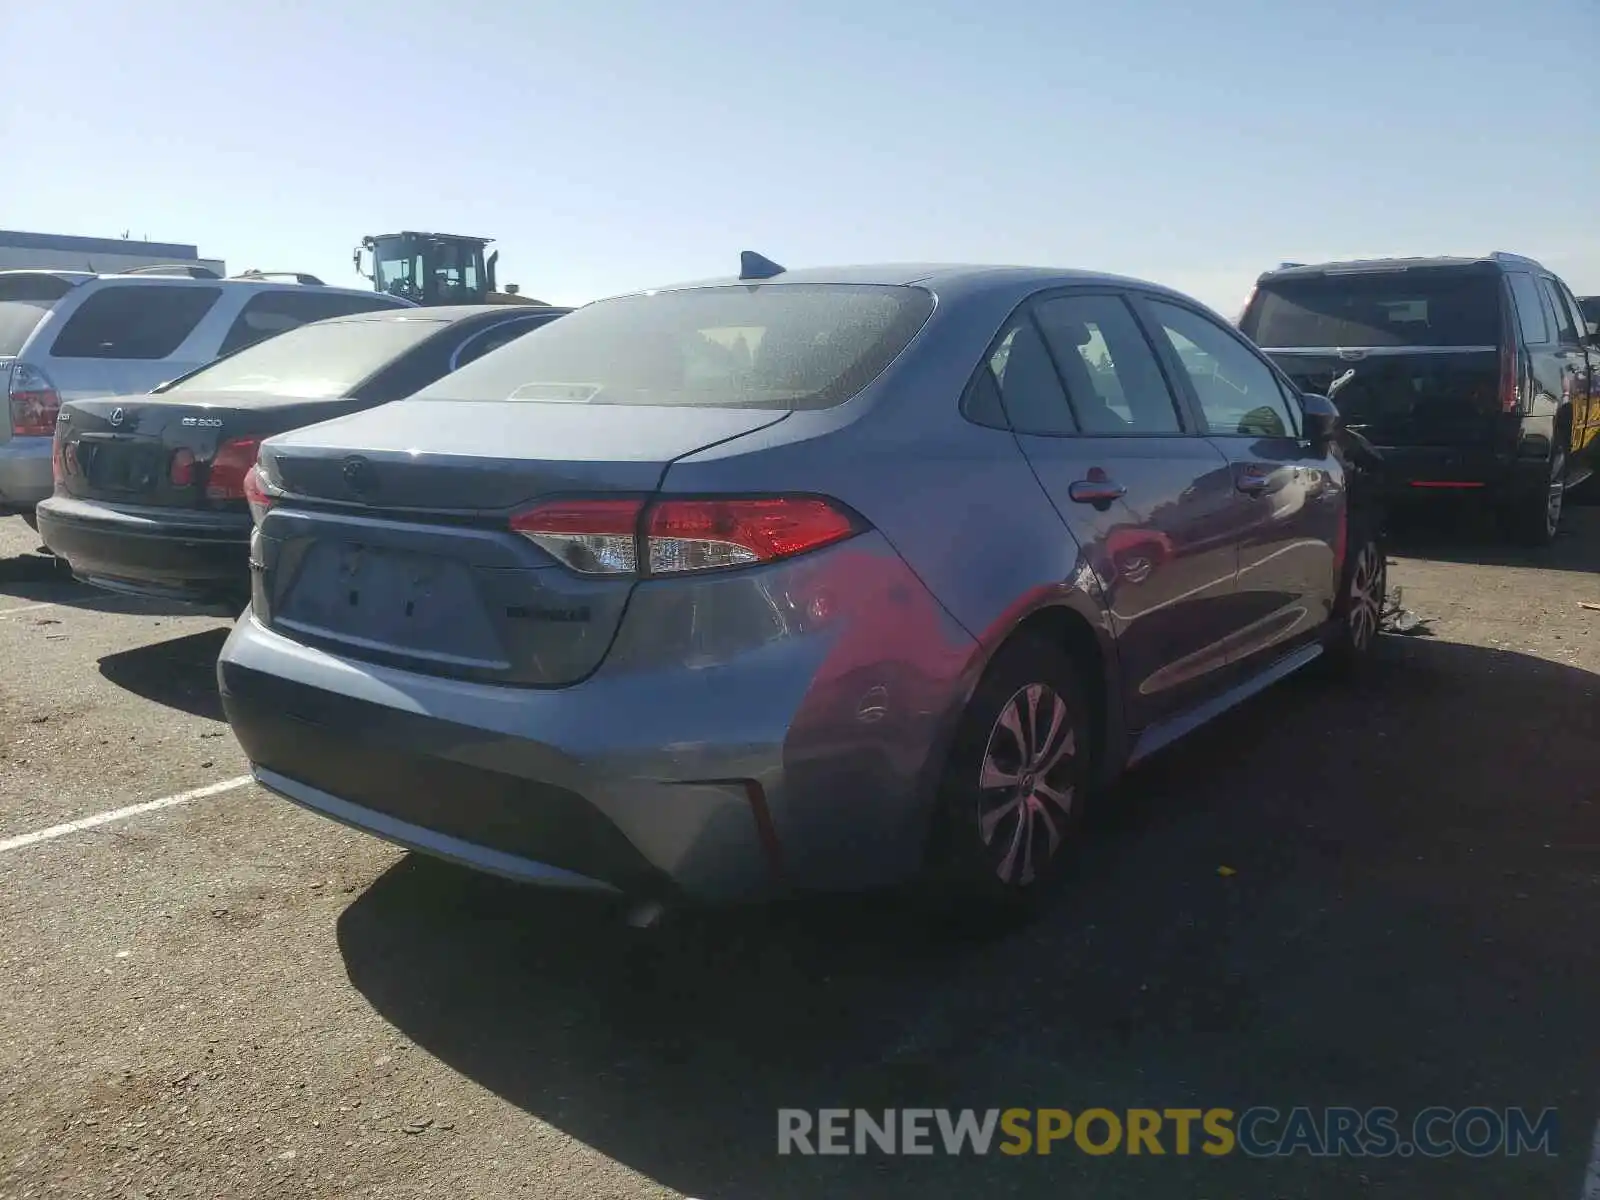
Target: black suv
x=1473, y=375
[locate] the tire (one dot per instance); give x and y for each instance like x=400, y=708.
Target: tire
x=1534, y=520
x=1011, y=807
x=1358, y=609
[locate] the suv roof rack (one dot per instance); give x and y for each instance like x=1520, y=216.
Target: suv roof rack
x=189, y=269
x=297, y=276
x=1507, y=256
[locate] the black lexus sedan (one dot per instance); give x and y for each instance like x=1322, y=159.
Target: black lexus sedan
x=150, y=489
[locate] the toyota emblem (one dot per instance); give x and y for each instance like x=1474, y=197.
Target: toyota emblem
x=116, y=416
x=357, y=474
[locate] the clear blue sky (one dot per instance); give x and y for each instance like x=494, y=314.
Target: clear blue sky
x=614, y=144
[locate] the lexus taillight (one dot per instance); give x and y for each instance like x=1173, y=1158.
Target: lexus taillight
x=34, y=402
x=234, y=458
x=256, y=494
x=181, y=469
x=674, y=537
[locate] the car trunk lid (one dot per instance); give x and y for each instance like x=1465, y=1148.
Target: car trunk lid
x=398, y=555
x=150, y=450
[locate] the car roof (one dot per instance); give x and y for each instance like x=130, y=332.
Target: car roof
x=947, y=279
x=447, y=314
x=77, y=278
x=1498, y=260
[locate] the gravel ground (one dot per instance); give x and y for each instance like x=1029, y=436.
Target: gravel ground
x=231, y=997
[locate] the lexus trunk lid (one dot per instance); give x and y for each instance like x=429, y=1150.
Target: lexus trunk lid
x=190, y=452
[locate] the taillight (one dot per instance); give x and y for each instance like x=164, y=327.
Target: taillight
x=701, y=535
x=256, y=494
x=596, y=537
x=673, y=537
x=34, y=402
x=181, y=472
x=1510, y=384
x=235, y=457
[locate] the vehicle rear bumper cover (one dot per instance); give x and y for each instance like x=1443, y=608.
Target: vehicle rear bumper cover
x=649, y=776
x=1433, y=470
x=25, y=475
x=183, y=556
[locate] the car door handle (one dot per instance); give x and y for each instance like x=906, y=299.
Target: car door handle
x=1096, y=491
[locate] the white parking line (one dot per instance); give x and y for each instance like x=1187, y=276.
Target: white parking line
x=117, y=814
x=1591, y=1177
x=22, y=608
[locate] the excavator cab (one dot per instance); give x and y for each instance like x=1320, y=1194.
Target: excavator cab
x=432, y=268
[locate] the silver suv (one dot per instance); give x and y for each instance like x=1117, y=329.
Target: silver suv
x=69, y=335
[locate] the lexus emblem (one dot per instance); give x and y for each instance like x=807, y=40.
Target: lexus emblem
x=357, y=473
x=116, y=416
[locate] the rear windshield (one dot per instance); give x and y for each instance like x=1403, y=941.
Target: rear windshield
x=1402, y=308
x=787, y=346
x=327, y=358
x=24, y=300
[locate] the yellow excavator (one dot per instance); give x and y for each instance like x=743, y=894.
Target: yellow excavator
x=434, y=268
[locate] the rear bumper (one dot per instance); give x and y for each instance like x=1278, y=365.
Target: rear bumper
x=796, y=761
x=1428, y=472
x=25, y=476
x=196, y=558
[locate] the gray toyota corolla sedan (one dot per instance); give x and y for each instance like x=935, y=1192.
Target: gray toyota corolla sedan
x=814, y=579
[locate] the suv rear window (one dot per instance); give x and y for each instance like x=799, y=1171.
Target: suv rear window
x=24, y=300
x=134, y=321
x=786, y=346
x=326, y=359
x=1400, y=308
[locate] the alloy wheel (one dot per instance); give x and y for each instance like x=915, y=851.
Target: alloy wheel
x=1026, y=782
x=1557, y=492
x=1366, y=597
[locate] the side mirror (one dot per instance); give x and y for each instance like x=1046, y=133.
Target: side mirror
x=1322, y=418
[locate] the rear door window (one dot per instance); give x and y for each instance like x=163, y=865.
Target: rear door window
x=1566, y=326
x=134, y=321
x=1019, y=373
x=1370, y=309
x=1112, y=375
x=24, y=301
x=267, y=313
x=492, y=338
x=1530, y=309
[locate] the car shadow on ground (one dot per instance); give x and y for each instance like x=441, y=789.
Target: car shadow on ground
x=1463, y=534
x=180, y=673
x=1382, y=893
